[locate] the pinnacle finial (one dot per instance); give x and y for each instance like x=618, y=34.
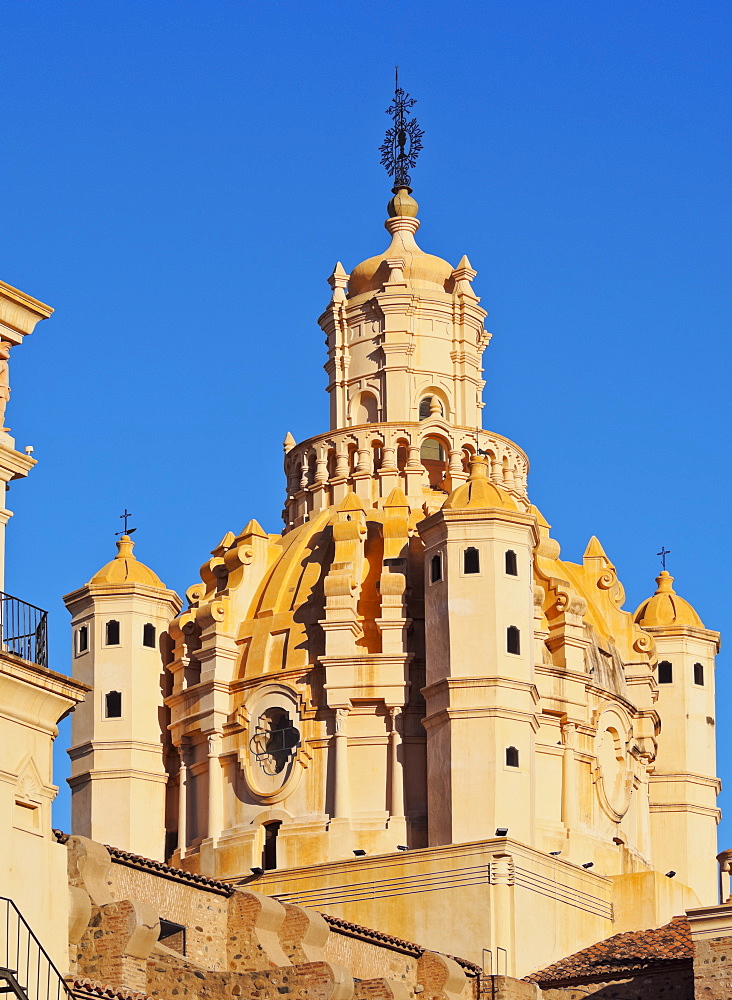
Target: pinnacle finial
x=664, y=583
x=403, y=140
x=478, y=468
x=125, y=545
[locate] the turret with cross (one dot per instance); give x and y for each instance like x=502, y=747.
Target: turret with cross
x=119, y=619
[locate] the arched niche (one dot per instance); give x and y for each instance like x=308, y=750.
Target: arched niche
x=432, y=404
x=433, y=453
x=365, y=408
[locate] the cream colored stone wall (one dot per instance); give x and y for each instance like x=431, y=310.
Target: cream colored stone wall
x=684, y=784
x=495, y=895
x=32, y=864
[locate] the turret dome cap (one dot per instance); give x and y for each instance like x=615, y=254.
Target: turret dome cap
x=125, y=568
x=422, y=270
x=479, y=491
x=665, y=607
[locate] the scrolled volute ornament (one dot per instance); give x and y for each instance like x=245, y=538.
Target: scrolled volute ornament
x=644, y=643
x=195, y=594
x=238, y=555
x=607, y=579
x=211, y=613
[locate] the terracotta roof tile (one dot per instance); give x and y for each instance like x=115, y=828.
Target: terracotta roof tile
x=166, y=871
x=341, y=926
x=623, y=955
x=147, y=864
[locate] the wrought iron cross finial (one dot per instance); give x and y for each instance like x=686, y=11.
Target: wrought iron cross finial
x=663, y=553
x=403, y=140
x=125, y=517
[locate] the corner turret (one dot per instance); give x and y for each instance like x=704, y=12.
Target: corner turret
x=118, y=774
x=480, y=693
x=683, y=784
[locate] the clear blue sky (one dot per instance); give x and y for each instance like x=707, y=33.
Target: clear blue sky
x=178, y=179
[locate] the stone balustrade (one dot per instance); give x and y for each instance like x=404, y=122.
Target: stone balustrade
x=429, y=457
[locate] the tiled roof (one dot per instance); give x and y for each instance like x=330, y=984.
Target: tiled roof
x=166, y=871
x=92, y=988
x=176, y=874
x=623, y=955
x=367, y=934
x=341, y=926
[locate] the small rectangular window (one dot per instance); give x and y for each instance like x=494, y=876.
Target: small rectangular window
x=435, y=568
x=112, y=633
x=113, y=705
x=148, y=635
x=269, y=854
x=511, y=567
x=513, y=640
x=471, y=560
x=82, y=639
x=173, y=935
x=512, y=757
x=665, y=672
x=699, y=674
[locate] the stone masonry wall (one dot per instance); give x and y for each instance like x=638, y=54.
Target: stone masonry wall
x=203, y=913
x=713, y=969
x=107, y=952
x=168, y=977
x=366, y=959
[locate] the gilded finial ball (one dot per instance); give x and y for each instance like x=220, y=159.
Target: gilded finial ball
x=402, y=204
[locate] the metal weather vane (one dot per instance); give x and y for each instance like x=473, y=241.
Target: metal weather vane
x=403, y=140
x=127, y=531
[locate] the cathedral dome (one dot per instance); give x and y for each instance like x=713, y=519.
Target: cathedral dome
x=420, y=268
x=125, y=568
x=665, y=607
x=479, y=491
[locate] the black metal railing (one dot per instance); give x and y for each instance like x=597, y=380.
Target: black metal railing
x=24, y=629
x=25, y=968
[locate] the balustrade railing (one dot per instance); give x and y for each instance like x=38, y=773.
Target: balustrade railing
x=373, y=459
x=23, y=629
x=25, y=967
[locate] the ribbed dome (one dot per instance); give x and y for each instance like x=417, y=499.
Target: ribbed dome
x=666, y=607
x=125, y=568
x=421, y=269
x=479, y=491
